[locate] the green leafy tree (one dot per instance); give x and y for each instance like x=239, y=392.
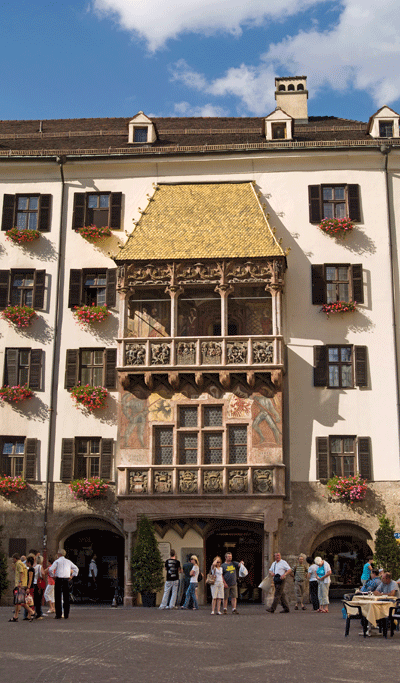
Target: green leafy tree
x=3, y=569
x=387, y=549
x=147, y=564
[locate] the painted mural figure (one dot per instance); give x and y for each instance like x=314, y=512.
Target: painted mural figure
x=135, y=411
x=268, y=414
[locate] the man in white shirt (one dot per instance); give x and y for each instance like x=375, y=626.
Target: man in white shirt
x=62, y=570
x=92, y=583
x=279, y=570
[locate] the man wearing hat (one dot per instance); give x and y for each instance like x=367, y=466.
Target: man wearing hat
x=62, y=570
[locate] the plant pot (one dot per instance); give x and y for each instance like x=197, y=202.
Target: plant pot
x=148, y=599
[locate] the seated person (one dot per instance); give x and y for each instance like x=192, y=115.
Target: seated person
x=387, y=586
x=372, y=583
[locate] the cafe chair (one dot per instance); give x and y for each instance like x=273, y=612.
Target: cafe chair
x=357, y=615
x=394, y=616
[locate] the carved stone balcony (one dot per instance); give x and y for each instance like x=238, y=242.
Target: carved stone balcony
x=211, y=480
x=191, y=353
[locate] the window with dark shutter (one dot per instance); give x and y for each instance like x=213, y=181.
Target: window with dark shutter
x=67, y=459
x=115, y=210
x=44, y=212
x=111, y=287
x=23, y=366
x=322, y=457
x=27, y=212
x=320, y=366
x=71, y=368
x=110, y=368
x=364, y=457
x=318, y=288
x=353, y=198
x=315, y=203
x=75, y=288
x=35, y=369
x=357, y=280
x=334, y=201
x=92, y=286
x=107, y=446
x=8, y=217
x=11, y=367
x=97, y=208
x=38, y=292
x=5, y=281
x=79, y=212
x=361, y=369
x=30, y=459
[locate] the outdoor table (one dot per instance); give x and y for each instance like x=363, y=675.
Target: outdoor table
x=373, y=607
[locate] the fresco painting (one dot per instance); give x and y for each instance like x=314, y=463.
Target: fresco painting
x=267, y=420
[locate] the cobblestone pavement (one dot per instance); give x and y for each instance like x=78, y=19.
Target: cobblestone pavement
x=139, y=645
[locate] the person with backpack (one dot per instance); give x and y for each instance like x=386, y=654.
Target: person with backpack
x=279, y=570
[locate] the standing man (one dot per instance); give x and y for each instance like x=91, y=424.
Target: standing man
x=62, y=570
x=173, y=567
x=92, y=582
x=229, y=576
x=279, y=570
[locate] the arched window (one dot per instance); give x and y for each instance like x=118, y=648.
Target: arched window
x=300, y=86
x=281, y=87
x=291, y=87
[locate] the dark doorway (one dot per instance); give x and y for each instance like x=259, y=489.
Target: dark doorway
x=346, y=555
x=109, y=549
x=245, y=543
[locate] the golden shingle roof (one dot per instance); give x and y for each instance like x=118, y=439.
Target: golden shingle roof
x=202, y=220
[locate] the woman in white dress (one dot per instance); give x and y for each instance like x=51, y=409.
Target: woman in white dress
x=217, y=589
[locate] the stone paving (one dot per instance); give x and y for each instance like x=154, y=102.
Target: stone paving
x=140, y=645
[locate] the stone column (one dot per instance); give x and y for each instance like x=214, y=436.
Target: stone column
x=129, y=531
x=224, y=291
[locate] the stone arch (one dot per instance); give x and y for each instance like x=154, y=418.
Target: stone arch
x=340, y=528
x=86, y=522
x=282, y=87
x=300, y=86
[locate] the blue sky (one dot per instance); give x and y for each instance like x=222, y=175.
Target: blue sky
x=89, y=58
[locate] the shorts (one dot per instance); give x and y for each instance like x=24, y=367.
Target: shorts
x=230, y=592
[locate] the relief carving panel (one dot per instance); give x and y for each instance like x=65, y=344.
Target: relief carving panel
x=212, y=481
x=188, y=481
x=262, y=481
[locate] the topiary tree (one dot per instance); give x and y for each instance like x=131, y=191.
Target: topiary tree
x=387, y=549
x=147, y=565
x=3, y=569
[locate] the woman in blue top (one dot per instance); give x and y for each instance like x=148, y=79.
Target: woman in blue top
x=366, y=572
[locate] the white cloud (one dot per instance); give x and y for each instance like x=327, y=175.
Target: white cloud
x=156, y=22
x=185, y=109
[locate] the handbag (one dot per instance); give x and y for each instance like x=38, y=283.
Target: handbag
x=210, y=579
x=277, y=579
x=19, y=596
x=29, y=599
x=199, y=576
x=41, y=583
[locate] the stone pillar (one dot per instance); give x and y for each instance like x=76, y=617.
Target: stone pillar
x=224, y=291
x=129, y=531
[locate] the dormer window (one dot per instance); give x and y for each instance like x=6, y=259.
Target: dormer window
x=278, y=131
x=385, y=129
x=384, y=124
x=278, y=126
x=141, y=130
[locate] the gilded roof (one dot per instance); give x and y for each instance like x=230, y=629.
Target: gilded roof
x=202, y=220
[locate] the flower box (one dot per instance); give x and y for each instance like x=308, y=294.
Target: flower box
x=10, y=485
x=339, y=307
x=92, y=398
x=336, y=227
x=88, y=488
x=92, y=233
x=15, y=394
x=347, y=489
x=22, y=236
x=21, y=316
x=91, y=314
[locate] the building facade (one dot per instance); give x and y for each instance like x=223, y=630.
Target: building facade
x=231, y=395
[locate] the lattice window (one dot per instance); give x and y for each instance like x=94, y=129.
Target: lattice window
x=212, y=448
x=212, y=416
x=237, y=444
x=188, y=416
x=163, y=445
x=188, y=446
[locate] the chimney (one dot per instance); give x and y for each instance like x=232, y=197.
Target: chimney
x=291, y=95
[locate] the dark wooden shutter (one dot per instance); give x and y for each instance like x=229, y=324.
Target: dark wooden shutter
x=38, y=293
x=35, y=370
x=364, y=457
x=318, y=284
x=11, y=367
x=320, y=366
x=44, y=212
x=115, y=210
x=8, y=218
x=71, y=368
x=75, y=288
x=353, y=196
x=67, y=460
x=110, y=368
x=361, y=370
x=322, y=457
x=357, y=279
x=315, y=203
x=5, y=280
x=107, y=446
x=111, y=287
x=30, y=459
x=79, y=213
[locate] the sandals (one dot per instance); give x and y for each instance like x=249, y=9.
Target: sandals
x=13, y=619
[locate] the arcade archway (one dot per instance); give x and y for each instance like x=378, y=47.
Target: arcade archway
x=345, y=546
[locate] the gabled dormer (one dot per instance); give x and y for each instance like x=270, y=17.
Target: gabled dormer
x=141, y=130
x=384, y=123
x=278, y=125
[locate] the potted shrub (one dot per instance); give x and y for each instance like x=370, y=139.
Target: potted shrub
x=88, y=488
x=20, y=316
x=90, y=397
x=147, y=565
x=347, y=489
x=336, y=227
x=22, y=236
x=92, y=233
x=15, y=394
x=87, y=315
x=9, y=485
x=339, y=307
